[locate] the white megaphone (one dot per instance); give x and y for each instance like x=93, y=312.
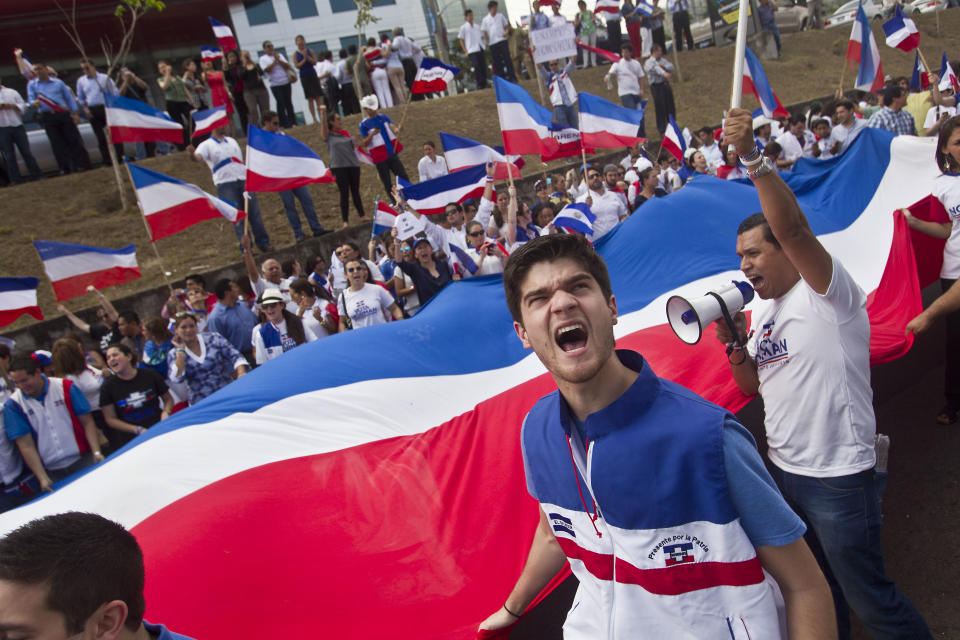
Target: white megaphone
x=688, y=317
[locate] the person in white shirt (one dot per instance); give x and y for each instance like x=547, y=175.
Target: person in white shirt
x=276, y=67
x=280, y=332
x=630, y=77
x=821, y=130
x=364, y=303
x=406, y=49
x=818, y=401
x=343, y=253
x=610, y=207
x=431, y=165
x=90, y=89
x=709, y=148
x=496, y=30
x=796, y=143
x=13, y=134
x=938, y=114
x=557, y=20
x=222, y=154
x=269, y=276
x=847, y=129
x=472, y=44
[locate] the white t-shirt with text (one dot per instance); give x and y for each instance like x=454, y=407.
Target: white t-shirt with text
x=946, y=189
x=365, y=307
x=813, y=358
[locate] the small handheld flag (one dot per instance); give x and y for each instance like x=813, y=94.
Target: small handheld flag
x=919, y=79
x=223, y=34
x=209, y=119
x=462, y=153
x=209, y=53
x=53, y=104
x=862, y=49
x=673, y=141
x=901, y=31
x=463, y=258
x=17, y=297
x=432, y=76
x=384, y=218
x=755, y=82
x=948, y=77
x=524, y=122
x=276, y=162
x=604, y=125
x=26, y=68
x=134, y=121
x=577, y=218
x=608, y=7
x=73, y=267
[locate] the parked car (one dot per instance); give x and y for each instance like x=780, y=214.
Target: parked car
x=43, y=152
x=847, y=13
x=791, y=16
x=925, y=6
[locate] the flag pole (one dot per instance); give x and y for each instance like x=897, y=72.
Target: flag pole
x=156, y=252
x=536, y=69
x=406, y=106
x=736, y=94
x=924, y=61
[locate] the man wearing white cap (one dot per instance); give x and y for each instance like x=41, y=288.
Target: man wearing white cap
x=379, y=137
x=281, y=331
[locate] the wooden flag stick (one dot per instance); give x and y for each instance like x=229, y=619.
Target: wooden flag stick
x=924, y=60
x=163, y=270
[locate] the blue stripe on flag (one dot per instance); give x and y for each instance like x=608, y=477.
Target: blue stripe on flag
x=18, y=284
x=455, y=180
x=277, y=144
x=50, y=250
x=129, y=104
x=605, y=109
x=509, y=92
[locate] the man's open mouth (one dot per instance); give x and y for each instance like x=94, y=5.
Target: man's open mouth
x=571, y=338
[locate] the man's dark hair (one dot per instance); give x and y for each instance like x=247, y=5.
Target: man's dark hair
x=352, y=49
x=286, y=267
x=84, y=559
x=773, y=149
x=626, y=46
x=492, y=4
x=795, y=119
x=890, y=94
x=846, y=104
x=129, y=315
x=429, y=143
x=221, y=287
x=455, y=205
x=758, y=220
x=353, y=245
x=550, y=249
x=23, y=362
x=4, y=351
x=343, y=54
x=655, y=47
x=267, y=116
x=196, y=277
x=468, y=12
x=706, y=130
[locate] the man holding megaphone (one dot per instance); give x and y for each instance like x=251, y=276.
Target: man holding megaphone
x=808, y=354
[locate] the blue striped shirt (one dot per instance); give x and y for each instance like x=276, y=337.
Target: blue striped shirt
x=53, y=89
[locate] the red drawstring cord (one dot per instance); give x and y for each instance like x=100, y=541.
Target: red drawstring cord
x=576, y=476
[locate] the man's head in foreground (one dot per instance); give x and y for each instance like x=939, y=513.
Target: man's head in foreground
x=71, y=576
x=558, y=292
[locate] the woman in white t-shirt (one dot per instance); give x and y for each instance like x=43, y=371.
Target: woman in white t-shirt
x=364, y=303
x=316, y=309
x=946, y=189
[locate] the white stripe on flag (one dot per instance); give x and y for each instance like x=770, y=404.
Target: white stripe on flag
x=80, y=263
x=18, y=299
x=592, y=123
x=516, y=118
x=161, y=196
x=272, y=166
x=129, y=118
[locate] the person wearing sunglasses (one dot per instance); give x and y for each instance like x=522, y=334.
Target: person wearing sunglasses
x=204, y=361
x=280, y=331
x=429, y=275
x=487, y=254
x=364, y=302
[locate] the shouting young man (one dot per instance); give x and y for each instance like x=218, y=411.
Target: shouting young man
x=657, y=499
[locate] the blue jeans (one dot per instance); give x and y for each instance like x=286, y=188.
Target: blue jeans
x=843, y=530
x=566, y=115
x=10, y=136
x=290, y=208
x=776, y=33
x=635, y=102
x=233, y=192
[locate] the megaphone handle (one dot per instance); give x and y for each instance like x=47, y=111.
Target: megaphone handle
x=729, y=320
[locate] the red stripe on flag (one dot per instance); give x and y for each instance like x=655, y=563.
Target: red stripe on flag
x=177, y=218
x=76, y=286
x=8, y=316
x=257, y=183
x=607, y=140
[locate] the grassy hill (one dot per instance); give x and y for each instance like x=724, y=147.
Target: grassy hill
x=85, y=207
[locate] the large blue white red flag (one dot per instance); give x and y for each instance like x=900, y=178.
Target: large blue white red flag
x=26, y=67
x=862, y=49
x=17, y=297
x=209, y=53
x=901, y=31
x=432, y=76
x=134, y=121
x=948, y=77
x=223, y=34
x=462, y=153
x=755, y=82
x=368, y=470
x=608, y=7
x=524, y=122
x=919, y=79
x=577, y=218
x=209, y=119
x=73, y=267
x=673, y=142
x=278, y=162
x=170, y=205
x=384, y=217
x=432, y=196
x=604, y=125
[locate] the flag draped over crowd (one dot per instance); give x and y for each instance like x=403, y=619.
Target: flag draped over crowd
x=378, y=472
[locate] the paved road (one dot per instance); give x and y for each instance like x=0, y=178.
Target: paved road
x=921, y=507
